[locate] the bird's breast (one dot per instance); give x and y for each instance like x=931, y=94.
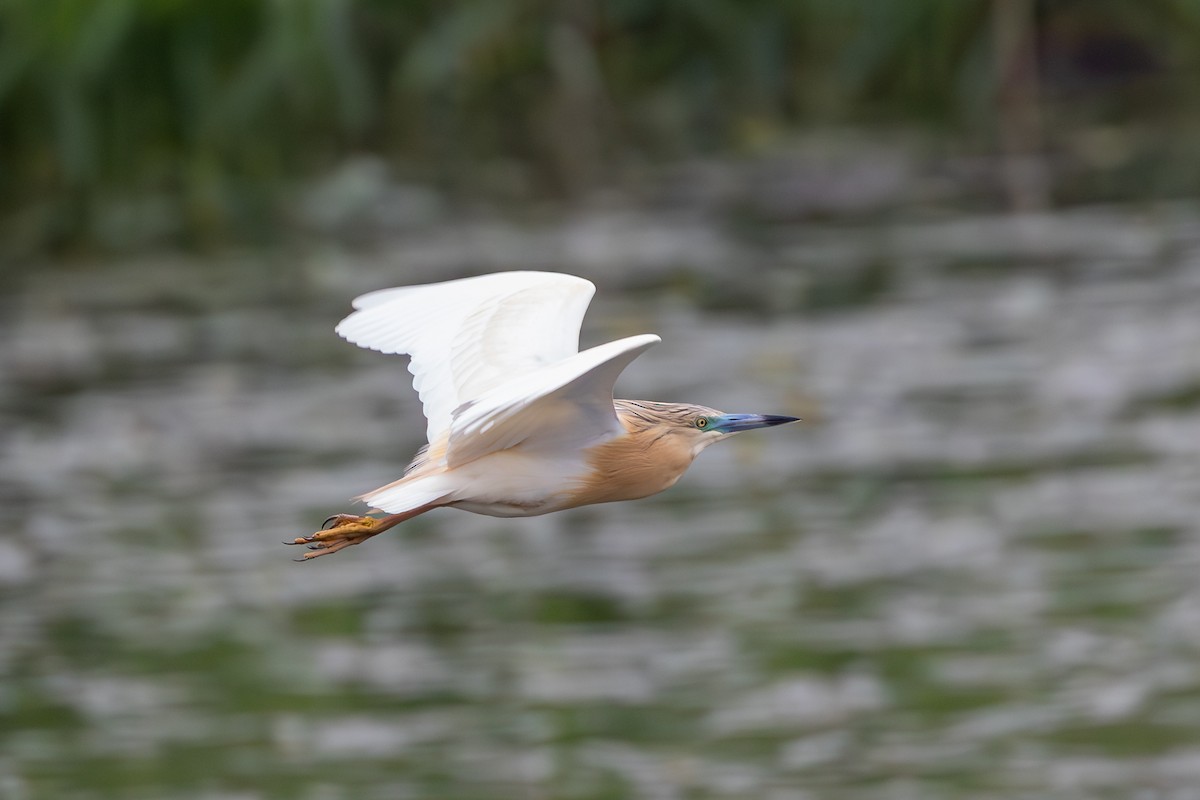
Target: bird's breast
x=521, y=482
x=514, y=483
x=631, y=466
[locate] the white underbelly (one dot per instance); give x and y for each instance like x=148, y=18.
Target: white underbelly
x=510, y=484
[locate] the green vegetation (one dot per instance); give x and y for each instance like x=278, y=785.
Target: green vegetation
x=193, y=118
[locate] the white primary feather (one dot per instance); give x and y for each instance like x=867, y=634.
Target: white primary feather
x=467, y=336
x=495, y=361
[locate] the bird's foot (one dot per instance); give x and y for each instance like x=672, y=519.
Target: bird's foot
x=337, y=533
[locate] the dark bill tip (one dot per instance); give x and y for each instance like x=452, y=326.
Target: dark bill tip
x=733, y=423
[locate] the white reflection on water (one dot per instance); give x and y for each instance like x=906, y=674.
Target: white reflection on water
x=970, y=573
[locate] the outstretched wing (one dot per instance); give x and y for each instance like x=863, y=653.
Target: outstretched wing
x=469, y=336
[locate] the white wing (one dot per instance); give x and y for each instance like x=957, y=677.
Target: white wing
x=559, y=408
x=556, y=410
x=467, y=337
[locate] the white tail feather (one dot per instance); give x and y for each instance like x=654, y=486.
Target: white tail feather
x=406, y=494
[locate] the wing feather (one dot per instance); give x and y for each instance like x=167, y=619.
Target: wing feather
x=466, y=337
x=561, y=407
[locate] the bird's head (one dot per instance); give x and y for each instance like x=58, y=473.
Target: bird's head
x=699, y=425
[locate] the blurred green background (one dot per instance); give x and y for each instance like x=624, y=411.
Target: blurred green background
x=129, y=121
x=960, y=238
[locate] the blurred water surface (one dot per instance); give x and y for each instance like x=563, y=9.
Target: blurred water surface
x=970, y=573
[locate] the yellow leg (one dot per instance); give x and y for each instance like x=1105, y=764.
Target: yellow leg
x=349, y=529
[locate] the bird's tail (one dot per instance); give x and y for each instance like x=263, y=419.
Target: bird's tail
x=407, y=494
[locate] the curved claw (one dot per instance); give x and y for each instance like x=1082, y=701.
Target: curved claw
x=340, y=531
x=336, y=533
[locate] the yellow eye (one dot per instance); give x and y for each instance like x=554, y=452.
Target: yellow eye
x=702, y=423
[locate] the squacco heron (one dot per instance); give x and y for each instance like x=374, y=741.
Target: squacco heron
x=519, y=422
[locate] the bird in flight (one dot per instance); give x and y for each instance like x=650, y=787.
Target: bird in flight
x=520, y=422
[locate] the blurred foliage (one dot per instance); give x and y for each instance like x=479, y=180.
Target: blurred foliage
x=192, y=116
